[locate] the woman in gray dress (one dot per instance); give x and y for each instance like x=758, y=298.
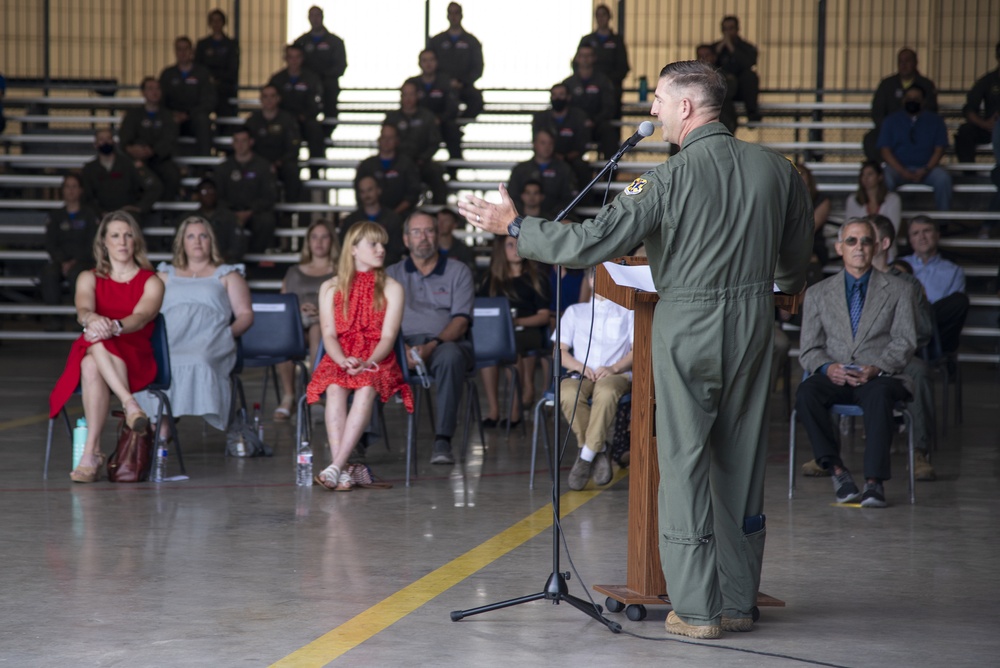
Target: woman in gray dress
x=320, y=254
x=207, y=306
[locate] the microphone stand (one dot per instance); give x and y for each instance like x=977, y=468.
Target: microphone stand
x=556, y=589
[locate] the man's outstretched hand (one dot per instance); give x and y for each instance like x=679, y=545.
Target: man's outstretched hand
x=489, y=217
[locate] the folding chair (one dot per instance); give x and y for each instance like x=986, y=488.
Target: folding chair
x=851, y=410
x=303, y=413
x=276, y=336
x=423, y=392
x=548, y=400
x=494, y=343
x=158, y=388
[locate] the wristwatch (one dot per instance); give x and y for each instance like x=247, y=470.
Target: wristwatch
x=514, y=228
x=119, y=326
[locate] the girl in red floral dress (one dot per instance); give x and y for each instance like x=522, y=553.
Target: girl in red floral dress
x=360, y=310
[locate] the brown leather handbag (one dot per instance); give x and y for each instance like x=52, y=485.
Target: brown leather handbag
x=131, y=460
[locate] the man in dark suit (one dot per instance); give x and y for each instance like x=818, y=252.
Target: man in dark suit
x=858, y=333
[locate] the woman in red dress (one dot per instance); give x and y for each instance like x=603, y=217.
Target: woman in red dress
x=116, y=304
x=360, y=310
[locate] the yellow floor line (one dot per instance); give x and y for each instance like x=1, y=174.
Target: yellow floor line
x=387, y=612
x=35, y=419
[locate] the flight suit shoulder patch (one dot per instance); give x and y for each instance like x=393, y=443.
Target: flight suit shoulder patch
x=636, y=186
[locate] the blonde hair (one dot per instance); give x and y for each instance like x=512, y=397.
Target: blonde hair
x=180, y=255
x=367, y=231
x=334, y=255
x=102, y=262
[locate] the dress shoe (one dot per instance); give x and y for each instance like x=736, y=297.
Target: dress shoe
x=678, y=626
x=602, y=471
x=579, y=474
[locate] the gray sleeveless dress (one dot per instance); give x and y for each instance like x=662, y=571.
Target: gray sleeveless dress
x=202, y=349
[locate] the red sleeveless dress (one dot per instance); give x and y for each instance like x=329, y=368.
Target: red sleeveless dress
x=116, y=301
x=358, y=333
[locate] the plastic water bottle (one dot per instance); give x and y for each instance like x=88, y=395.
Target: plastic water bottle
x=79, y=440
x=159, y=472
x=257, y=426
x=643, y=89
x=304, y=466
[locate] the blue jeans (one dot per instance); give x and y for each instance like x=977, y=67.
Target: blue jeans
x=937, y=178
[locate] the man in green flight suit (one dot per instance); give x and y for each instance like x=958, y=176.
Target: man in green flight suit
x=722, y=221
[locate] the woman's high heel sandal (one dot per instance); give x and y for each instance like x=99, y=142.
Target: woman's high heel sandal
x=137, y=421
x=88, y=473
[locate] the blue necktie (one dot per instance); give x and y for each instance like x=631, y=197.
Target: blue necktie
x=857, y=302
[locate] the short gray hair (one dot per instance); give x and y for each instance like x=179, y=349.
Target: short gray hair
x=855, y=221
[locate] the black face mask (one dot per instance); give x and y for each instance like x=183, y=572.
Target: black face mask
x=559, y=104
x=912, y=107
x=106, y=149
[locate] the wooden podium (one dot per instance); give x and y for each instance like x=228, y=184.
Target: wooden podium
x=644, y=577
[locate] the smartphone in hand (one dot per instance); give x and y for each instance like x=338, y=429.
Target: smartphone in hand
x=854, y=368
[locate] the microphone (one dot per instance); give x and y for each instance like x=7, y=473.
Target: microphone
x=645, y=129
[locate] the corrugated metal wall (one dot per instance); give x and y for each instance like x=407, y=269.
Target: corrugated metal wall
x=129, y=39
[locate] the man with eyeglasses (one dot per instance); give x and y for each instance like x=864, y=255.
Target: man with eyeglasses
x=436, y=318
x=858, y=333
x=912, y=142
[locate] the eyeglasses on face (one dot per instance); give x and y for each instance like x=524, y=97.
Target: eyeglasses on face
x=851, y=242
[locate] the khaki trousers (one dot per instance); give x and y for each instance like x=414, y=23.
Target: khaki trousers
x=595, y=407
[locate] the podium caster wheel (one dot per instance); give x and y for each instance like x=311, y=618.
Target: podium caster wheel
x=755, y=613
x=614, y=605
x=635, y=613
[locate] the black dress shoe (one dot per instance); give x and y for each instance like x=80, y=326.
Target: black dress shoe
x=489, y=423
x=505, y=423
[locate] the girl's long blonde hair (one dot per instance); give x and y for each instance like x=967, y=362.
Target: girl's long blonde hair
x=367, y=231
x=101, y=260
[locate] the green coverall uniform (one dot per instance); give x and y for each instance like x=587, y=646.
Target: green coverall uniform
x=722, y=221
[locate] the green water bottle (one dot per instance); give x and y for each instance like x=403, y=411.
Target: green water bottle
x=643, y=88
x=79, y=440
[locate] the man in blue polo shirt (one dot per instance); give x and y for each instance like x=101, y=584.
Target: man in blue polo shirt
x=943, y=281
x=912, y=142
x=436, y=318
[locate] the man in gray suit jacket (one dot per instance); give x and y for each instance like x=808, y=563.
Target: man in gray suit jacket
x=858, y=333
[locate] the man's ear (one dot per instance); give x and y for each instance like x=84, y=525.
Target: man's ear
x=839, y=246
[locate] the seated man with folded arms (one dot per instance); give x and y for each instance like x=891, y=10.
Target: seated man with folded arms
x=276, y=138
x=397, y=175
x=606, y=378
x=858, y=334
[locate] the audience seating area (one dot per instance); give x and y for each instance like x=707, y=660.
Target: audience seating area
x=47, y=136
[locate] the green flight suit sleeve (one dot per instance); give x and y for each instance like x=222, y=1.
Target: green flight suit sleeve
x=796, y=238
x=618, y=228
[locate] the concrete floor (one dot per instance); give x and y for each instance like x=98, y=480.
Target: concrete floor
x=237, y=566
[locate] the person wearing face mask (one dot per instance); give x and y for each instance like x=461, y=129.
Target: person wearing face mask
x=912, y=142
x=111, y=181
x=889, y=96
x=568, y=126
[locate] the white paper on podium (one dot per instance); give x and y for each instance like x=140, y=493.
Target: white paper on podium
x=638, y=276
